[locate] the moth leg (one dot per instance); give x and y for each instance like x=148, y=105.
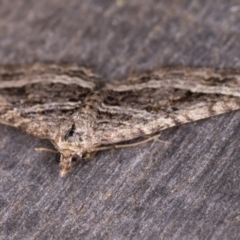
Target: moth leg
x=40, y=149
x=151, y=138
x=89, y=155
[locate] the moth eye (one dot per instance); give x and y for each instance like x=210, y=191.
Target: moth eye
x=58, y=157
x=74, y=159
x=70, y=132
x=110, y=98
x=174, y=109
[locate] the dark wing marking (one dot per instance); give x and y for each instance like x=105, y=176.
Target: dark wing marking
x=38, y=97
x=201, y=80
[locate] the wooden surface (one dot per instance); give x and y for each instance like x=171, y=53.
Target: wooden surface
x=187, y=189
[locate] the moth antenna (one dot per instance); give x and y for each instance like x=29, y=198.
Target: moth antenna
x=45, y=150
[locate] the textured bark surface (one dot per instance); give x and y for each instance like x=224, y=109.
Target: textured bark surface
x=187, y=189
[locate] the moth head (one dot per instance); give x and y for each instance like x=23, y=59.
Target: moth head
x=65, y=160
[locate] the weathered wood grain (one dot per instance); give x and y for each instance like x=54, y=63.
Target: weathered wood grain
x=188, y=189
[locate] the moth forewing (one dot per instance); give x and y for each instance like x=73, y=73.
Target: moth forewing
x=63, y=104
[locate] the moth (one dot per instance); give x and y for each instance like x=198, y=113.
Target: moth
x=64, y=103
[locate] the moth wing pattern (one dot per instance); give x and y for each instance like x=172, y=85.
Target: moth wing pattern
x=145, y=104
x=63, y=103
x=38, y=97
x=198, y=79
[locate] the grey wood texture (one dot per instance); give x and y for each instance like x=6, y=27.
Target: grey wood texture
x=187, y=189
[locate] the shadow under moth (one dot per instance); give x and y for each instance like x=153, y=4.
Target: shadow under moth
x=64, y=104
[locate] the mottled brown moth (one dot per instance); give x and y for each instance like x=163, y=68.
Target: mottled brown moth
x=64, y=104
